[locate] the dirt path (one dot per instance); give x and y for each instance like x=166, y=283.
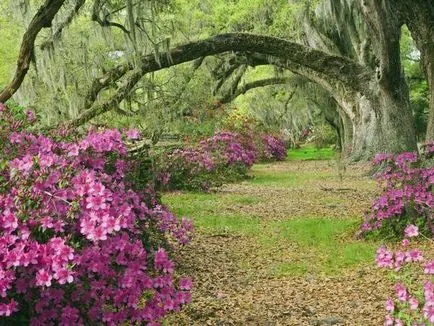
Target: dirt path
x=271, y=276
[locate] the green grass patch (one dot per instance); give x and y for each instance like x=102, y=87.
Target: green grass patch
x=286, y=179
x=325, y=245
x=288, y=269
x=315, y=232
x=210, y=212
x=310, y=153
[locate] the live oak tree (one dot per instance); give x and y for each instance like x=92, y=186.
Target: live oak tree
x=360, y=68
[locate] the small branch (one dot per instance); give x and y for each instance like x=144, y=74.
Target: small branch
x=57, y=197
x=42, y=19
x=258, y=83
x=56, y=35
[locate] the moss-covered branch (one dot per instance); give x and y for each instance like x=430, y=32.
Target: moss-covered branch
x=335, y=68
x=43, y=18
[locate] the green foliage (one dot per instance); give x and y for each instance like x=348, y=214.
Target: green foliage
x=210, y=214
x=323, y=136
x=10, y=34
x=418, y=86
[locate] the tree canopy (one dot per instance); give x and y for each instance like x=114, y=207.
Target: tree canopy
x=369, y=64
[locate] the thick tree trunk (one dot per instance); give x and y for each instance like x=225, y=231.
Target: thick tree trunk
x=382, y=125
x=429, y=72
x=347, y=132
x=419, y=17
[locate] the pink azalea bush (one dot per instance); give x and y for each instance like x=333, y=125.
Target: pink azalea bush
x=189, y=168
x=407, y=198
x=406, y=208
x=274, y=148
x=224, y=157
x=78, y=245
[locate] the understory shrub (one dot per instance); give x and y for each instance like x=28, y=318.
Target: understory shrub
x=274, y=148
x=187, y=168
x=224, y=157
x=405, y=208
x=78, y=245
x=407, y=194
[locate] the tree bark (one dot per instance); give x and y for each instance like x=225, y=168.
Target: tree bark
x=59, y=30
x=429, y=71
x=347, y=132
x=333, y=68
x=384, y=125
x=43, y=18
x=419, y=17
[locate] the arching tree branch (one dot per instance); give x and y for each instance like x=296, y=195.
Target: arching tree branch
x=43, y=18
x=255, y=84
x=335, y=69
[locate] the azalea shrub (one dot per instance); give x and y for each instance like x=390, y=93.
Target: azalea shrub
x=223, y=157
x=231, y=150
x=405, y=209
x=189, y=168
x=274, y=148
x=407, y=194
x=78, y=244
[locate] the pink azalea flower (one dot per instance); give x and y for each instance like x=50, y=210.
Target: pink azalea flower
x=185, y=284
x=10, y=221
x=411, y=231
x=413, y=256
x=390, y=306
x=63, y=275
x=133, y=134
x=73, y=150
x=384, y=257
x=428, y=311
x=398, y=322
x=405, y=242
x=388, y=320
x=6, y=309
x=401, y=292
x=43, y=278
x=429, y=267
x=96, y=202
x=414, y=304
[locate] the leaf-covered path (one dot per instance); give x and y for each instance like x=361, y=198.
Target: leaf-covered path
x=279, y=249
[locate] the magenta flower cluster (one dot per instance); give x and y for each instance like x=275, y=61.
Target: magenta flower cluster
x=406, y=207
x=226, y=156
x=274, y=148
x=231, y=148
x=409, y=305
x=76, y=242
x=221, y=158
x=407, y=196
